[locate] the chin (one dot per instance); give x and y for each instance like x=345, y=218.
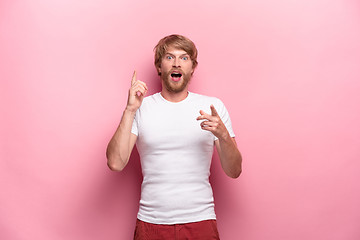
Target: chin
x=175, y=88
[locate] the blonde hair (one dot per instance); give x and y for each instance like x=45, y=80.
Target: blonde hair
x=178, y=42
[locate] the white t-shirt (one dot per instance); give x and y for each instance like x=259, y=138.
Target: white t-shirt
x=175, y=158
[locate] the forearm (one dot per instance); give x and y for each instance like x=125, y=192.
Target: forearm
x=119, y=147
x=230, y=156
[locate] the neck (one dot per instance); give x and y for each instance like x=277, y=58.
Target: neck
x=174, y=97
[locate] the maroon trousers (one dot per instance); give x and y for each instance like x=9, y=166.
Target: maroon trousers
x=204, y=230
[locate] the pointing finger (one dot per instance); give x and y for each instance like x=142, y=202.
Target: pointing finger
x=213, y=111
x=133, y=80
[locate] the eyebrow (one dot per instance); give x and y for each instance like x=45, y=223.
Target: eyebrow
x=185, y=54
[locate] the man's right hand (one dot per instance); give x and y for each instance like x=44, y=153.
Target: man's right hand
x=137, y=93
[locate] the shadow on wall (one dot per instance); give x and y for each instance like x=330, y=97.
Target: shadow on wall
x=115, y=202
x=229, y=207
x=124, y=188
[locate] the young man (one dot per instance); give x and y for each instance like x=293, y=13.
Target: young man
x=175, y=132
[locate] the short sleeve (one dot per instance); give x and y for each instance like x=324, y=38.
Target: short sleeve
x=134, y=128
x=225, y=117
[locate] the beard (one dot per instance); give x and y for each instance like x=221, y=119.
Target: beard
x=172, y=86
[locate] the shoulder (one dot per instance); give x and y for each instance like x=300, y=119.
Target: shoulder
x=151, y=99
x=208, y=99
x=218, y=104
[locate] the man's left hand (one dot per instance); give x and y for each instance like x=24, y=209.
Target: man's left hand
x=213, y=123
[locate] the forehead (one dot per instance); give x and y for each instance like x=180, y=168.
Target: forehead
x=175, y=51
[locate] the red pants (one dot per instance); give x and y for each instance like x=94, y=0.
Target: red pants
x=204, y=230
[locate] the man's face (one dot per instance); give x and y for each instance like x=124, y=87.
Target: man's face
x=176, y=69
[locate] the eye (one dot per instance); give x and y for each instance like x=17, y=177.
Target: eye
x=168, y=57
x=185, y=58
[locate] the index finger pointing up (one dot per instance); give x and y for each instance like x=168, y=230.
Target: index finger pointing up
x=133, y=80
x=213, y=111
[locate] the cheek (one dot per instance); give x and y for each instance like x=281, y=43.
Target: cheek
x=165, y=66
x=190, y=69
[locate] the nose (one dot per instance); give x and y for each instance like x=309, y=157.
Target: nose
x=176, y=62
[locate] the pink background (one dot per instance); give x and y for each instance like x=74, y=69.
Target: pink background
x=288, y=72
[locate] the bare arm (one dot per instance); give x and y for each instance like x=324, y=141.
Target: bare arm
x=226, y=146
x=122, y=143
x=230, y=156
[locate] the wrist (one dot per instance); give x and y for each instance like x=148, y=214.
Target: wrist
x=224, y=137
x=130, y=110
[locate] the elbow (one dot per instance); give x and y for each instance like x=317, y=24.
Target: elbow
x=115, y=167
x=236, y=170
x=115, y=163
x=235, y=174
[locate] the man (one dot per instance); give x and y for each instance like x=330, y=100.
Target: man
x=175, y=137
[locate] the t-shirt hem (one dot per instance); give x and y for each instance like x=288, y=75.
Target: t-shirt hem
x=175, y=221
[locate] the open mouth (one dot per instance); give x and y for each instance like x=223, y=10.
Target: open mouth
x=176, y=76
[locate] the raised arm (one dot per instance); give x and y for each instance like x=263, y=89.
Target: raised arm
x=122, y=143
x=226, y=146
